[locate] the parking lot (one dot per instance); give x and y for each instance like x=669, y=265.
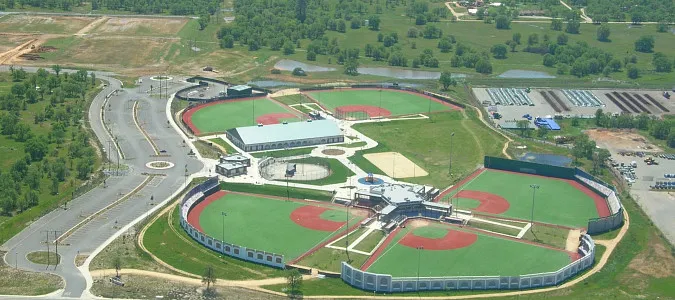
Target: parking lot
x=512, y=104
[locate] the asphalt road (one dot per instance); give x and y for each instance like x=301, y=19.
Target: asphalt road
x=94, y=231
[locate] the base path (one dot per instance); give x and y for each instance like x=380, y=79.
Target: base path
x=310, y=217
x=489, y=202
x=372, y=111
x=274, y=118
x=452, y=240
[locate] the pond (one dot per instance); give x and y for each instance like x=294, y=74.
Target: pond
x=289, y=65
x=525, y=74
x=547, y=159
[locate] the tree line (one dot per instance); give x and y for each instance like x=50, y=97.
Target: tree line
x=623, y=10
x=64, y=153
x=174, y=7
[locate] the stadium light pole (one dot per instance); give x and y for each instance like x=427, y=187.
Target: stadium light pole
x=419, y=262
x=450, y=164
x=380, y=103
x=224, y=214
x=534, y=187
x=347, y=236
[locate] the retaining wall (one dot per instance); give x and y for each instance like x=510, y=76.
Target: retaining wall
x=194, y=197
x=387, y=283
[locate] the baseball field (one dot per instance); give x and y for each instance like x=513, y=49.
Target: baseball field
x=378, y=102
x=222, y=115
x=275, y=225
x=556, y=201
x=442, y=250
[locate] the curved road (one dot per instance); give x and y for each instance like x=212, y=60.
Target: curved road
x=125, y=196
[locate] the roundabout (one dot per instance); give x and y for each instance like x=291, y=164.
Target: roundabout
x=160, y=165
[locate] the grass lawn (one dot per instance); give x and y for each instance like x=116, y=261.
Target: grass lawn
x=19, y=282
x=293, y=99
x=329, y=259
x=369, y=242
x=225, y=115
x=427, y=144
x=272, y=229
x=398, y=103
x=338, y=172
x=494, y=228
x=207, y=151
x=228, y=148
x=44, y=257
x=277, y=190
x=558, y=201
x=352, y=145
x=489, y=255
x=284, y=153
x=550, y=235
x=169, y=242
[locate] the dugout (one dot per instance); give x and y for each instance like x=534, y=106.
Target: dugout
x=239, y=91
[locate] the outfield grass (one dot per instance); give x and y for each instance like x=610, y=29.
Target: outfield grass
x=398, y=103
x=225, y=115
x=489, y=255
x=494, y=228
x=284, y=153
x=427, y=144
x=556, y=202
x=272, y=229
x=170, y=243
x=277, y=190
x=338, y=172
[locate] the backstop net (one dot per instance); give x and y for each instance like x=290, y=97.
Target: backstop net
x=351, y=115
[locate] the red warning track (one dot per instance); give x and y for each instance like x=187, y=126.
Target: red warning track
x=274, y=118
x=452, y=240
x=310, y=217
x=187, y=115
x=193, y=215
x=372, y=111
x=489, y=202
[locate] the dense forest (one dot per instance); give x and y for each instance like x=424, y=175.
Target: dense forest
x=633, y=10
x=44, y=143
x=174, y=7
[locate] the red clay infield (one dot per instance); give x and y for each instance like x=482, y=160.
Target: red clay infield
x=193, y=216
x=274, y=118
x=310, y=217
x=452, y=240
x=489, y=202
x=372, y=111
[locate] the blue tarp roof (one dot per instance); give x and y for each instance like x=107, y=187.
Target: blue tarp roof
x=550, y=123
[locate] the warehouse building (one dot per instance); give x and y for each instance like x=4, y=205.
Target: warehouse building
x=286, y=135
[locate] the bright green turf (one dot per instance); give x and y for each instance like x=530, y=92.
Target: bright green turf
x=487, y=256
x=556, y=201
x=464, y=203
x=226, y=115
x=264, y=224
x=398, y=103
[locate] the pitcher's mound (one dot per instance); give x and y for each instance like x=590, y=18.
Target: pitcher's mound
x=395, y=165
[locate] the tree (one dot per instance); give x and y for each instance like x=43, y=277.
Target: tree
x=542, y=131
x=293, y=283
x=645, y=44
x=549, y=60
x=209, y=277
x=633, y=71
x=523, y=125
x=311, y=55
x=512, y=45
x=516, y=37
x=289, y=48
x=447, y=80
x=671, y=139
x=227, y=42
x=351, y=67
x=556, y=24
x=203, y=20
x=662, y=63
x=30, y=199
x=562, y=39
x=598, y=116
x=502, y=22
x=57, y=69
x=374, y=22
x=483, y=66
x=499, y=51
x=36, y=148
x=663, y=26
x=341, y=26
x=55, y=186
x=301, y=10
x=412, y=32
x=93, y=78
x=444, y=45
x=532, y=39
x=573, y=26
x=603, y=33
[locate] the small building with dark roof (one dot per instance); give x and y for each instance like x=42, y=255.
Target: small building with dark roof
x=239, y=91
